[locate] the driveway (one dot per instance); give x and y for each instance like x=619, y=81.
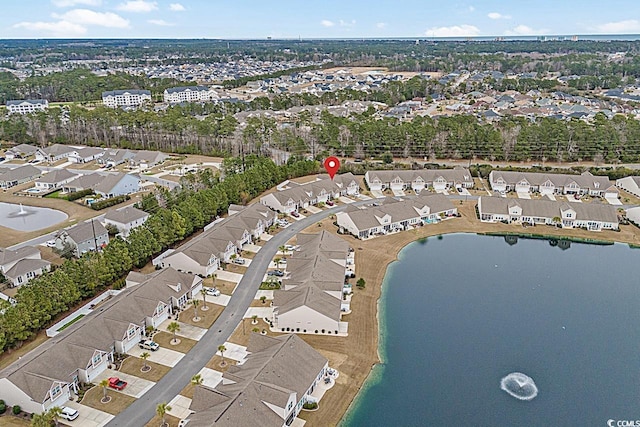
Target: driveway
x=234, y=351
x=377, y=194
x=524, y=195
x=313, y=209
x=251, y=248
x=261, y=312
x=87, y=416
x=187, y=330
x=228, y=276
x=180, y=407
x=345, y=200
x=267, y=294
x=163, y=356
x=136, y=387
x=210, y=377
x=221, y=299
x=613, y=199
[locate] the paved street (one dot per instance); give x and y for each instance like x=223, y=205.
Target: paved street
x=143, y=409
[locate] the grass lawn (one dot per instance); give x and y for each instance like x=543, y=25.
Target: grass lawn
x=10, y=421
x=132, y=366
x=119, y=401
x=258, y=303
x=235, y=268
x=242, y=333
x=186, y=392
x=206, y=317
x=224, y=286
x=215, y=361
x=71, y=322
x=55, y=195
x=164, y=340
x=156, y=421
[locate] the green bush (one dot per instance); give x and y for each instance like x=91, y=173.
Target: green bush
x=3, y=408
x=16, y=409
x=109, y=202
x=310, y=405
x=79, y=194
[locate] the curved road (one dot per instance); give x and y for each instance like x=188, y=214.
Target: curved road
x=143, y=409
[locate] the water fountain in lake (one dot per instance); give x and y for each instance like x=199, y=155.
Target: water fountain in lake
x=30, y=218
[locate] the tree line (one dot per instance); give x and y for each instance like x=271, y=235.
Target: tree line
x=174, y=215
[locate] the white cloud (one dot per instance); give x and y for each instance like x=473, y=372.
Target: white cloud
x=55, y=29
x=176, y=7
x=138, y=6
x=463, y=30
x=524, y=30
x=496, y=15
x=347, y=24
x=327, y=23
x=86, y=17
x=630, y=26
x=70, y=3
x=381, y=25
x=160, y=22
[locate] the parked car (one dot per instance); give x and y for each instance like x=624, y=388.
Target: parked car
x=149, y=345
x=117, y=383
x=239, y=261
x=295, y=214
x=212, y=291
x=277, y=273
x=50, y=243
x=330, y=203
x=68, y=413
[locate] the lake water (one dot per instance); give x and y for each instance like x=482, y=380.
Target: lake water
x=30, y=218
x=460, y=312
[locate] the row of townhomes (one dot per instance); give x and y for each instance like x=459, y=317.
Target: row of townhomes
x=12, y=177
x=392, y=215
x=27, y=106
x=107, y=157
x=547, y=183
x=269, y=389
x=630, y=184
x=591, y=216
x=312, y=298
x=21, y=265
x=220, y=241
x=178, y=95
x=292, y=196
x=418, y=180
x=106, y=184
x=128, y=98
x=50, y=375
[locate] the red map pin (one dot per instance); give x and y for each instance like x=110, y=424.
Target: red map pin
x=332, y=164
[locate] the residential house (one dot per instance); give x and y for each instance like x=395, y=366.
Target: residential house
x=56, y=178
x=630, y=184
x=18, y=176
x=50, y=375
x=125, y=219
x=54, y=152
x=392, y=215
x=85, y=154
x=82, y=237
x=311, y=299
x=129, y=98
x=293, y=196
x=27, y=106
x=548, y=183
x=591, y=216
x=20, y=151
x=418, y=180
x=106, y=184
x=269, y=389
x=147, y=159
x=115, y=157
x=219, y=242
x=177, y=95
x=21, y=265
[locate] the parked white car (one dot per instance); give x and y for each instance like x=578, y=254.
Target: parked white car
x=68, y=413
x=212, y=291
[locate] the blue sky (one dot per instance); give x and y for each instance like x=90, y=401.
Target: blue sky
x=307, y=19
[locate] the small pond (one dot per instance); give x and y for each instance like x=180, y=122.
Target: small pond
x=28, y=218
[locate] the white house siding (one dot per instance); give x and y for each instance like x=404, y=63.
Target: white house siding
x=12, y=395
x=629, y=185
x=181, y=262
x=307, y=319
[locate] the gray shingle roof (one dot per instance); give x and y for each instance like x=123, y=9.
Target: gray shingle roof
x=20, y=173
x=125, y=215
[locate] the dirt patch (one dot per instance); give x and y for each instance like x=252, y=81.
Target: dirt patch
x=215, y=363
x=157, y=421
x=118, y=403
x=132, y=366
x=206, y=317
x=164, y=340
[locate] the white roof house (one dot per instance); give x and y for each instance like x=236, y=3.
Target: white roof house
x=21, y=265
x=177, y=95
x=128, y=98
x=26, y=106
x=125, y=219
x=630, y=184
x=418, y=180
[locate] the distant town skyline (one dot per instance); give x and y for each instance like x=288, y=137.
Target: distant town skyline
x=246, y=19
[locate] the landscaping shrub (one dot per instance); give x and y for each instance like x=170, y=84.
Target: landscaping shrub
x=3, y=408
x=16, y=410
x=310, y=405
x=79, y=194
x=96, y=206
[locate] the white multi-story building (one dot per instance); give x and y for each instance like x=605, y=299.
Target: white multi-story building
x=177, y=95
x=128, y=98
x=26, y=106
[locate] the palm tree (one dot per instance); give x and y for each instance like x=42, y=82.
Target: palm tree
x=204, y=299
x=222, y=349
x=254, y=319
x=162, y=410
x=173, y=327
x=144, y=356
x=282, y=249
x=197, y=380
x=104, y=384
x=54, y=413
x=195, y=303
x=41, y=420
x=277, y=261
x=255, y=330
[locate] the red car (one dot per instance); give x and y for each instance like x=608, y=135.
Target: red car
x=117, y=383
x=295, y=214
